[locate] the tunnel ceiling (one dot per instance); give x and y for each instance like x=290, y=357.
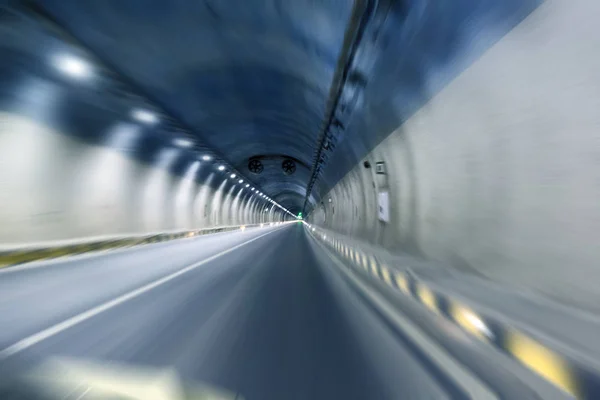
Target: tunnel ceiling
x=250, y=77
x=278, y=79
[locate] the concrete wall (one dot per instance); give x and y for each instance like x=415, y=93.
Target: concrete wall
x=500, y=172
x=53, y=186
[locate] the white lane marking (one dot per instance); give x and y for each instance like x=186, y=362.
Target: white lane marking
x=82, y=395
x=459, y=374
x=68, y=323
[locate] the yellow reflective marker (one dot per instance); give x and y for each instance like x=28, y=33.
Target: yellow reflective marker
x=374, y=269
x=373, y=263
x=543, y=361
x=402, y=283
x=468, y=320
x=427, y=297
x=386, y=275
x=364, y=261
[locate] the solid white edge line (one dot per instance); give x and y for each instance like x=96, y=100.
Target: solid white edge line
x=31, y=340
x=462, y=376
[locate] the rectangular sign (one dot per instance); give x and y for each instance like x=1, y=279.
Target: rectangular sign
x=383, y=206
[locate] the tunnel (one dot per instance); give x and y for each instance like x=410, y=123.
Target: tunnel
x=299, y=199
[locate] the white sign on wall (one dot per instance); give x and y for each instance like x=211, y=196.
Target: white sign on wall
x=383, y=206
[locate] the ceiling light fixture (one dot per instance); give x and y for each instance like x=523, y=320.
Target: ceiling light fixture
x=144, y=116
x=73, y=66
x=183, y=142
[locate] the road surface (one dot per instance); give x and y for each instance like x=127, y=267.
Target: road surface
x=262, y=314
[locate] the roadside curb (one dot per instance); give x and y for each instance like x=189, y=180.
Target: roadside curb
x=10, y=258
x=564, y=371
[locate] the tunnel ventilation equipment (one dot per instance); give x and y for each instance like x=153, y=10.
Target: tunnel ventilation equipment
x=288, y=166
x=255, y=166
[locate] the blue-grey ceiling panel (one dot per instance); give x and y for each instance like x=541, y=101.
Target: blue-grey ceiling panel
x=249, y=77
x=252, y=77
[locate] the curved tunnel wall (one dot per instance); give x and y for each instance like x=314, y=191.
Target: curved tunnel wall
x=75, y=161
x=57, y=187
x=260, y=73
x=499, y=172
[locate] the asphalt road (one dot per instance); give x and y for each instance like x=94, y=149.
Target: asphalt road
x=262, y=314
